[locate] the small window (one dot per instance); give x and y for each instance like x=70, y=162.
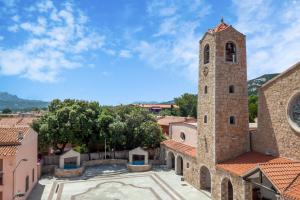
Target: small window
x=231, y=89
x=1, y=195
x=230, y=52
x=187, y=165
x=182, y=136
x=205, y=89
x=33, y=175
x=205, y=119
x=1, y=178
x=232, y=120
x=27, y=183
x=1, y=165
x=206, y=54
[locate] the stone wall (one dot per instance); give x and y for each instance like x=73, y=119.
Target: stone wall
x=242, y=190
x=274, y=134
x=104, y=162
x=62, y=173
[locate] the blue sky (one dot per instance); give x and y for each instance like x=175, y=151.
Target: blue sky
x=121, y=51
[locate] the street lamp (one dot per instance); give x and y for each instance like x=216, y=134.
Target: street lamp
x=13, y=190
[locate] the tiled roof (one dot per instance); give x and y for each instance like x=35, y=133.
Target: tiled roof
x=222, y=26
x=157, y=105
x=15, y=121
x=244, y=163
x=284, y=176
x=171, y=119
x=9, y=139
x=293, y=191
x=9, y=136
x=180, y=147
x=8, y=150
x=283, y=173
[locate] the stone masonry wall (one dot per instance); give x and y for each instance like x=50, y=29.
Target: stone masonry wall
x=274, y=134
x=231, y=140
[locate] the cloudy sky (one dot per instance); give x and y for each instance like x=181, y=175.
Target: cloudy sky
x=121, y=51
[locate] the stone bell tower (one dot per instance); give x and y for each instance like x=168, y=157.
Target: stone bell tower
x=222, y=95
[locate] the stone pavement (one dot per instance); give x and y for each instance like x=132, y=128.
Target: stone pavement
x=109, y=182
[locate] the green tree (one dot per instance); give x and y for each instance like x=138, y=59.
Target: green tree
x=187, y=105
x=253, y=107
x=6, y=111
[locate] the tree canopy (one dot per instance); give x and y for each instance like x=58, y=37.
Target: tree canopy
x=6, y=111
x=187, y=105
x=86, y=123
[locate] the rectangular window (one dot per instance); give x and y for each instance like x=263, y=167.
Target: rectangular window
x=27, y=183
x=232, y=120
x=33, y=175
x=1, y=195
x=205, y=119
x=1, y=171
x=231, y=89
x=205, y=89
x=1, y=165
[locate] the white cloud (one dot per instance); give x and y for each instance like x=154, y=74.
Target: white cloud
x=14, y=28
x=15, y=18
x=125, y=54
x=1, y=38
x=273, y=34
x=176, y=40
x=55, y=41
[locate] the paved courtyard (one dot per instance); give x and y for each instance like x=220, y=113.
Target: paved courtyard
x=115, y=183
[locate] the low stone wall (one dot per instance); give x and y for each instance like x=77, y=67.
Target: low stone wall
x=67, y=173
x=139, y=168
x=103, y=162
x=48, y=169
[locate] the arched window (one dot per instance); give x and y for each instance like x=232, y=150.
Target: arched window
x=182, y=136
x=230, y=52
x=206, y=54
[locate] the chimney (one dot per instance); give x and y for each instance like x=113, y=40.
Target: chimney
x=20, y=136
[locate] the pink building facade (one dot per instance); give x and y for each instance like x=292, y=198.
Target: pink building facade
x=18, y=150
x=184, y=132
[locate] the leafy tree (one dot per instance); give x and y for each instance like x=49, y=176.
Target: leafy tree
x=253, y=107
x=187, y=105
x=6, y=111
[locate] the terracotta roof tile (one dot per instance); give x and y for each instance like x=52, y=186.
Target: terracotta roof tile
x=222, y=26
x=171, y=119
x=284, y=175
x=8, y=150
x=180, y=147
x=245, y=162
x=293, y=191
x=16, y=121
x=9, y=135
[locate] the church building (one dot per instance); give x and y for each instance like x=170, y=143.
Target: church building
x=229, y=161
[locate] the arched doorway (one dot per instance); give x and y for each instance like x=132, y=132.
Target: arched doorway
x=205, y=179
x=179, y=165
x=226, y=189
x=170, y=160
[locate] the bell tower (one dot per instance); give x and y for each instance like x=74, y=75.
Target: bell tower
x=222, y=95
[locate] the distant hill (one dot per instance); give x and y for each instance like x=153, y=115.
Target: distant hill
x=254, y=84
x=17, y=104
